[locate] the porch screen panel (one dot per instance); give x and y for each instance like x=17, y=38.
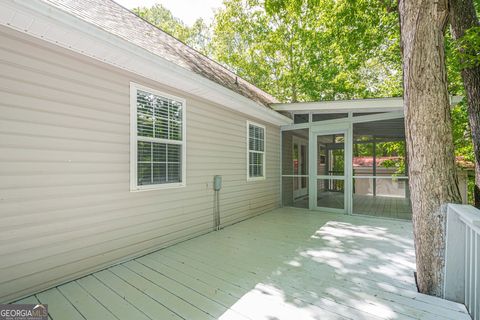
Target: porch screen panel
x=295, y=168
x=380, y=180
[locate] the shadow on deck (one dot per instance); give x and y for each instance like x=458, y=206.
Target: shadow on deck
x=285, y=264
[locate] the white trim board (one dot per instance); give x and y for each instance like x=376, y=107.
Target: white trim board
x=355, y=105
x=340, y=106
x=45, y=22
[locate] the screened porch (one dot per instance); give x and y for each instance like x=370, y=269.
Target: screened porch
x=346, y=157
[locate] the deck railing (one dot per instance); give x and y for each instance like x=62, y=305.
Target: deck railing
x=462, y=257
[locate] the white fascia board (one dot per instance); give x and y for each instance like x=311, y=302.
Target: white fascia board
x=53, y=25
x=360, y=105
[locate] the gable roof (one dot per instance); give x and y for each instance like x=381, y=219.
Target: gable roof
x=115, y=19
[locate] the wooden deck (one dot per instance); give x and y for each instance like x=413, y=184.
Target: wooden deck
x=285, y=264
x=379, y=206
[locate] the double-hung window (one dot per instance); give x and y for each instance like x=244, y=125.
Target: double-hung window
x=255, y=151
x=157, y=142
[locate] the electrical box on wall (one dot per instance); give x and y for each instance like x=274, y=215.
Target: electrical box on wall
x=217, y=183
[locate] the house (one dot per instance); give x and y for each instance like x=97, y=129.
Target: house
x=111, y=134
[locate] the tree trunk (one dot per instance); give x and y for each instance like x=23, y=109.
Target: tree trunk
x=431, y=162
x=463, y=17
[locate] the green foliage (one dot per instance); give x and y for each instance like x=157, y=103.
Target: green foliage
x=302, y=50
x=196, y=36
x=468, y=48
x=461, y=132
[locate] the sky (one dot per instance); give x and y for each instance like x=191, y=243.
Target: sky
x=186, y=10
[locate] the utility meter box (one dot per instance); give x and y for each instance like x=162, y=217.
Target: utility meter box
x=217, y=183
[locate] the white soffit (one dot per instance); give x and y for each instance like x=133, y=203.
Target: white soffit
x=53, y=25
x=360, y=105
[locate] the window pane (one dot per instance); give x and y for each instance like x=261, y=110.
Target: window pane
x=300, y=118
x=144, y=114
x=144, y=174
x=144, y=151
x=175, y=130
x=158, y=117
x=161, y=128
x=256, y=164
x=174, y=153
x=159, y=152
x=176, y=111
x=161, y=108
x=359, y=114
x=260, y=170
x=261, y=145
x=328, y=116
x=159, y=173
x=256, y=138
x=174, y=170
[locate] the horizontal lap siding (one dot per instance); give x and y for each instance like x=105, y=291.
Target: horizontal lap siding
x=65, y=205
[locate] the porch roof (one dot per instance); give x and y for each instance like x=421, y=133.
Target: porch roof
x=286, y=264
x=355, y=105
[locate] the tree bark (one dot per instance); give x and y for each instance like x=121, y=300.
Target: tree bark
x=463, y=17
x=432, y=174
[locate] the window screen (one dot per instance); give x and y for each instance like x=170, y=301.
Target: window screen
x=256, y=151
x=159, y=139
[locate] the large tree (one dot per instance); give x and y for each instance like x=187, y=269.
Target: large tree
x=432, y=172
x=466, y=30
x=304, y=50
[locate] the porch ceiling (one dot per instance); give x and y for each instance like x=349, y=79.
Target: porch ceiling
x=286, y=264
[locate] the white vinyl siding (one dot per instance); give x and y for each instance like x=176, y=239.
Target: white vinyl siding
x=158, y=139
x=66, y=208
x=256, y=151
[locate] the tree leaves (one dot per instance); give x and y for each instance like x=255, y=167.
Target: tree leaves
x=301, y=50
x=197, y=36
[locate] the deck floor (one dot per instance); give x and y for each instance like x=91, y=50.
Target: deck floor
x=379, y=206
x=285, y=264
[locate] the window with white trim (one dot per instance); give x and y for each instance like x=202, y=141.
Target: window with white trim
x=158, y=139
x=256, y=151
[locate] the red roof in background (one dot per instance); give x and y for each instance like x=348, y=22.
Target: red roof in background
x=368, y=161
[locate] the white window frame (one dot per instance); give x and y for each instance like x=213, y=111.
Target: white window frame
x=263, y=177
x=134, y=138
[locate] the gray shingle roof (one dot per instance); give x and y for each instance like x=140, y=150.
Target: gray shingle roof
x=121, y=22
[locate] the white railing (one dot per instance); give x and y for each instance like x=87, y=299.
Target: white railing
x=462, y=257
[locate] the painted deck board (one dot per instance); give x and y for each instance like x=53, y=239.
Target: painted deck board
x=177, y=304
x=59, y=307
x=89, y=307
x=285, y=264
x=150, y=307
